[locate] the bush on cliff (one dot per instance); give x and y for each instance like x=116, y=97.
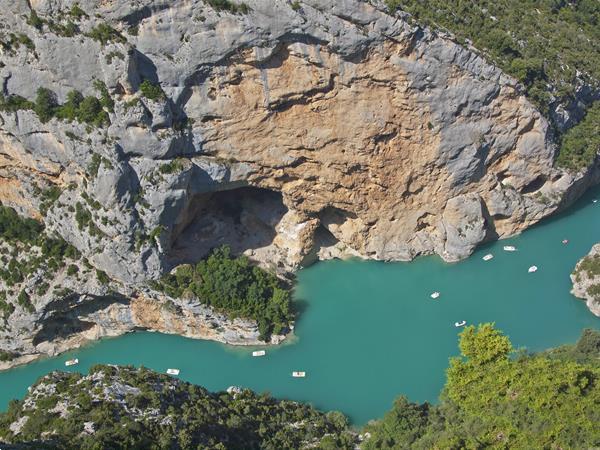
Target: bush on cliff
x=235, y=287
x=581, y=144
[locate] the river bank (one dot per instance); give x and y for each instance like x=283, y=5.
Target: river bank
x=371, y=328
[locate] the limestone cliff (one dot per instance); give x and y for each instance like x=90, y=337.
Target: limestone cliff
x=288, y=130
x=586, y=280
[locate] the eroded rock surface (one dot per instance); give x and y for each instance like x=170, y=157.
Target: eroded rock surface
x=289, y=134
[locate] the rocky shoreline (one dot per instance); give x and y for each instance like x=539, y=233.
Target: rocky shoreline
x=586, y=280
x=146, y=134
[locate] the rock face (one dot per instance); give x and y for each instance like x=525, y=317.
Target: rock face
x=586, y=280
x=288, y=133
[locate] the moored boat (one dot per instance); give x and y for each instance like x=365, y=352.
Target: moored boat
x=259, y=353
x=72, y=362
x=488, y=257
x=532, y=269
x=509, y=248
x=565, y=241
x=298, y=374
x=462, y=323
x=173, y=371
x=435, y=295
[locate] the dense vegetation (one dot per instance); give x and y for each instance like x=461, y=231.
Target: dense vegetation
x=493, y=400
x=89, y=110
x=235, y=287
x=140, y=409
x=539, y=42
x=548, y=45
x=581, y=144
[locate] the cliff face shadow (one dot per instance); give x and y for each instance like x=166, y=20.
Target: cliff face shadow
x=244, y=218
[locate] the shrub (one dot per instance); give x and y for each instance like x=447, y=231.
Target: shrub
x=152, y=91
x=104, y=34
x=235, y=287
x=581, y=144
x=45, y=104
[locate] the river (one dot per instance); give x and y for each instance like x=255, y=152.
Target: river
x=369, y=331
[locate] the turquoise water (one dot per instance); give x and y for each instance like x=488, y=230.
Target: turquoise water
x=370, y=332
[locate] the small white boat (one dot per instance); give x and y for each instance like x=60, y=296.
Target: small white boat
x=298, y=374
x=462, y=323
x=488, y=257
x=259, y=353
x=72, y=362
x=173, y=371
x=532, y=269
x=509, y=248
x=435, y=295
x=594, y=201
x=565, y=241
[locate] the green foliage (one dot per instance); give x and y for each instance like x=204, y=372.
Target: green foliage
x=34, y=20
x=102, y=277
x=581, y=144
x=493, y=401
x=45, y=104
x=104, y=34
x=16, y=228
x=25, y=302
x=173, y=166
x=296, y=5
x=152, y=91
x=189, y=417
x=13, y=103
x=234, y=287
x=48, y=197
x=590, y=265
x=538, y=42
x=229, y=6
x=94, y=164
x=6, y=356
x=89, y=110
x=76, y=12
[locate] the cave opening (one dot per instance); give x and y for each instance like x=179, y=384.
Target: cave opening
x=243, y=218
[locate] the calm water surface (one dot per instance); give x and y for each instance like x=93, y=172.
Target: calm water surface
x=370, y=331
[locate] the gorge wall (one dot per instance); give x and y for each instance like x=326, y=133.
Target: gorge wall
x=290, y=133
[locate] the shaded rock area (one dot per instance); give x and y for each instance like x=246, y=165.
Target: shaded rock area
x=586, y=280
x=292, y=134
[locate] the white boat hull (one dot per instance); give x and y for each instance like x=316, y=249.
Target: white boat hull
x=259, y=353
x=299, y=374
x=173, y=371
x=72, y=362
x=532, y=269
x=488, y=257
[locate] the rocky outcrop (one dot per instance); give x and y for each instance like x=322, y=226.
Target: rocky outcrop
x=287, y=132
x=586, y=280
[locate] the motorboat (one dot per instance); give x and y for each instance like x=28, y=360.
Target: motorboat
x=299, y=374
x=532, y=269
x=509, y=248
x=565, y=241
x=488, y=257
x=173, y=371
x=462, y=323
x=72, y=362
x=435, y=295
x=259, y=353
